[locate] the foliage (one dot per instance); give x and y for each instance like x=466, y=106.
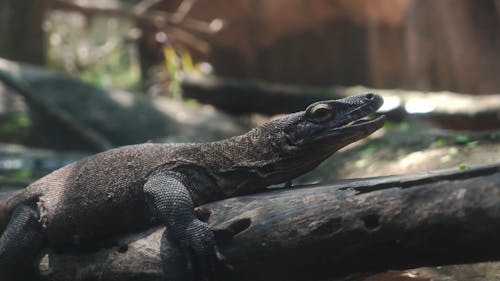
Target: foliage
x=177, y=63
x=13, y=122
x=94, y=50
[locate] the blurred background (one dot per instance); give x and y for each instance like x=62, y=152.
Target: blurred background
x=82, y=76
x=421, y=45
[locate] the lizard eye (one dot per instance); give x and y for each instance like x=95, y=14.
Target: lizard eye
x=320, y=112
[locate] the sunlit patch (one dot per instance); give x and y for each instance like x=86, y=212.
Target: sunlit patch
x=410, y=274
x=55, y=39
x=390, y=103
x=123, y=98
x=205, y=68
x=460, y=193
x=216, y=25
x=12, y=67
x=161, y=37
x=420, y=106
x=11, y=164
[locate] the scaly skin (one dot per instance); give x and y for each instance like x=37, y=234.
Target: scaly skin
x=133, y=187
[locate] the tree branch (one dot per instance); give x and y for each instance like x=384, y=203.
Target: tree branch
x=327, y=231
x=158, y=19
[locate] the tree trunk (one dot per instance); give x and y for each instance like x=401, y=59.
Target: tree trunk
x=21, y=34
x=327, y=231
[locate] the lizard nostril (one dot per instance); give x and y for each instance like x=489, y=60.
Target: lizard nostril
x=369, y=96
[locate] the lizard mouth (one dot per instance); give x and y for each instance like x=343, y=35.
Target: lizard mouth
x=362, y=114
x=365, y=122
x=363, y=126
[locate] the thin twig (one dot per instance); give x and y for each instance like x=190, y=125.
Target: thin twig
x=182, y=11
x=145, y=5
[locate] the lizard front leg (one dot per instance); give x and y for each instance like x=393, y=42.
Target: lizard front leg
x=20, y=244
x=171, y=202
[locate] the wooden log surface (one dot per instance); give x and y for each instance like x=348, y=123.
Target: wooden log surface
x=328, y=230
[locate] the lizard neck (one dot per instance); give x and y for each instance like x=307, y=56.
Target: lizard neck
x=250, y=162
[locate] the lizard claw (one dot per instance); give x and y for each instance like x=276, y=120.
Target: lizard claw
x=194, y=254
x=200, y=250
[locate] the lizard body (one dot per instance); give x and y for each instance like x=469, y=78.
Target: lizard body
x=124, y=189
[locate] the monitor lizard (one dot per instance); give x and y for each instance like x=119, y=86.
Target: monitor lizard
x=133, y=187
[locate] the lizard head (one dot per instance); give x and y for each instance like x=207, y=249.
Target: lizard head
x=334, y=124
x=310, y=136
x=285, y=148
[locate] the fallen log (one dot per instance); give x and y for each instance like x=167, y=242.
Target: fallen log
x=240, y=97
x=446, y=109
x=327, y=231
x=68, y=114
x=10, y=77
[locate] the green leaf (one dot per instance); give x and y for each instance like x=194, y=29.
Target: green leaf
x=462, y=139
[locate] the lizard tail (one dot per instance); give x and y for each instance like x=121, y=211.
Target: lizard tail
x=7, y=204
